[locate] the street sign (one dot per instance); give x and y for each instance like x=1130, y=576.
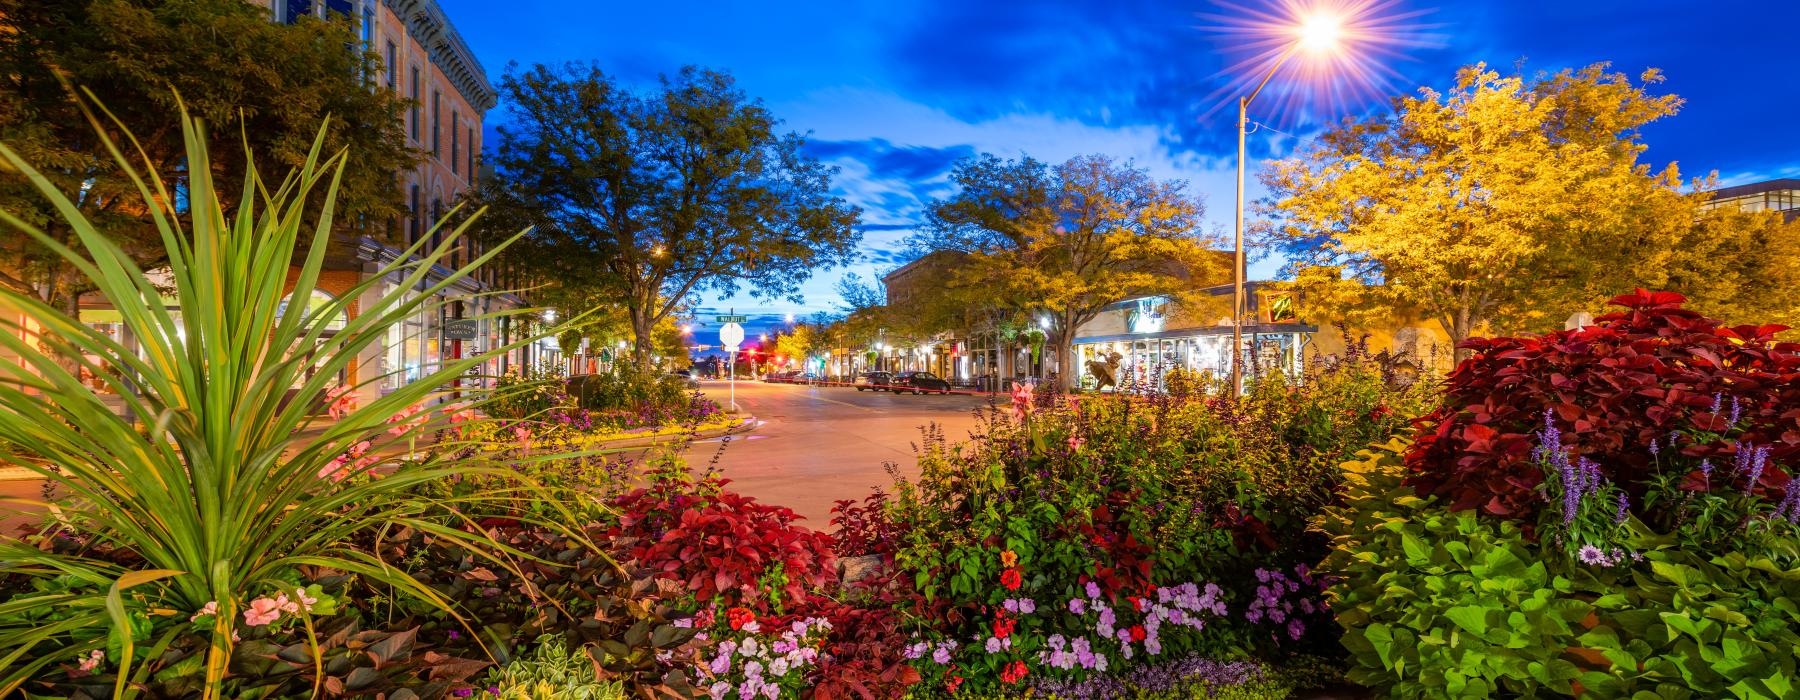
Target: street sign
x=461, y=329
x=730, y=319
x=732, y=335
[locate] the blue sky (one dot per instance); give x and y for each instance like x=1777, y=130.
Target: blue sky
x=892, y=93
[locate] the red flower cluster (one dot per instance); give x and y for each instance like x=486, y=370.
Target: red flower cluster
x=1012, y=579
x=1003, y=626
x=1013, y=672
x=738, y=617
x=952, y=683
x=1633, y=378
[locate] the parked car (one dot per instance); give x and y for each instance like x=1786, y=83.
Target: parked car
x=808, y=378
x=688, y=377
x=919, y=383
x=873, y=381
x=784, y=377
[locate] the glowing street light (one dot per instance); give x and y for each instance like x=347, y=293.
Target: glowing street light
x=687, y=329
x=1344, y=42
x=790, y=319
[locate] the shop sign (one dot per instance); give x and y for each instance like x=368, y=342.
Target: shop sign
x=461, y=329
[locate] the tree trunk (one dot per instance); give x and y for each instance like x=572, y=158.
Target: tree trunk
x=642, y=325
x=1460, y=329
x=1065, y=363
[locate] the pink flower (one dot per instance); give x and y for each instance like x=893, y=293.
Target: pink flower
x=263, y=611
x=339, y=401
x=285, y=605
x=210, y=608
x=356, y=459
x=460, y=413
x=1075, y=442
x=1021, y=401
x=92, y=660
x=405, y=421
x=522, y=433
x=306, y=601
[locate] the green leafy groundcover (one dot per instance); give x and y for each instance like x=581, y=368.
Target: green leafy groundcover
x=1437, y=602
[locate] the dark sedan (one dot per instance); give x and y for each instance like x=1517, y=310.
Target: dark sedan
x=919, y=383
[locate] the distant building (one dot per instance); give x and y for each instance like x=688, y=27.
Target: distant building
x=1782, y=195
x=1137, y=341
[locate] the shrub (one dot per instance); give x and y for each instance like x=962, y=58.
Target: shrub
x=722, y=546
x=551, y=672
x=1438, y=602
x=627, y=388
x=1653, y=377
x=531, y=395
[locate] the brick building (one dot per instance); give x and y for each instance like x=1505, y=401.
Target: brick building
x=425, y=61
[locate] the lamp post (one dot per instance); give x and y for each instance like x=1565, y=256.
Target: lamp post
x=1318, y=33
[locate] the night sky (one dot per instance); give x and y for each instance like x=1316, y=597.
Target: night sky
x=893, y=93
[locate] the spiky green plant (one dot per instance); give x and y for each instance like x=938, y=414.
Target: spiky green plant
x=218, y=495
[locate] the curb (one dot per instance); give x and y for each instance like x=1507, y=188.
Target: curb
x=745, y=424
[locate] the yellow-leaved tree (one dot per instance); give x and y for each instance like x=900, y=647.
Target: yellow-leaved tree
x=1504, y=205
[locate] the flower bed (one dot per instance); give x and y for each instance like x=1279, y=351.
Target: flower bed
x=1605, y=511
x=1075, y=545
x=547, y=411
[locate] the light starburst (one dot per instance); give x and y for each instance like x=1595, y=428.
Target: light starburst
x=1334, y=54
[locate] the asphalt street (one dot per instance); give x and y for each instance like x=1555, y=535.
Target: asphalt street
x=812, y=445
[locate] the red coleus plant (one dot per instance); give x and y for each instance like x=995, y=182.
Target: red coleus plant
x=723, y=544
x=1633, y=378
x=1122, y=563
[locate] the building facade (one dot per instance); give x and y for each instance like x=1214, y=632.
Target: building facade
x=1782, y=195
x=426, y=62
x=1136, y=343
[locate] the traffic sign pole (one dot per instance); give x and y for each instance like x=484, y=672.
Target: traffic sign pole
x=730, y=336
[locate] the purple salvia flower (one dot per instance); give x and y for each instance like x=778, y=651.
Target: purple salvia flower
x=1571, y=486
x=1790, y=503
x=1624, y=508
x=1757, y=462
x=1655, y=450
x=1706, y=470
x=1718, y=401
x=1737, y=411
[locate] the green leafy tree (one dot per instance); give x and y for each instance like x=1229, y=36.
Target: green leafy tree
x=1058, y=244
x=651, y=197
x=259, y=83
x=797, y=342
x=1502, y=203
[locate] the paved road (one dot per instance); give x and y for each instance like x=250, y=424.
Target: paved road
x=815, y=445
x=812, y=446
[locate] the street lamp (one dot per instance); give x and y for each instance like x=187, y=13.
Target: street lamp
x=1318, y=33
